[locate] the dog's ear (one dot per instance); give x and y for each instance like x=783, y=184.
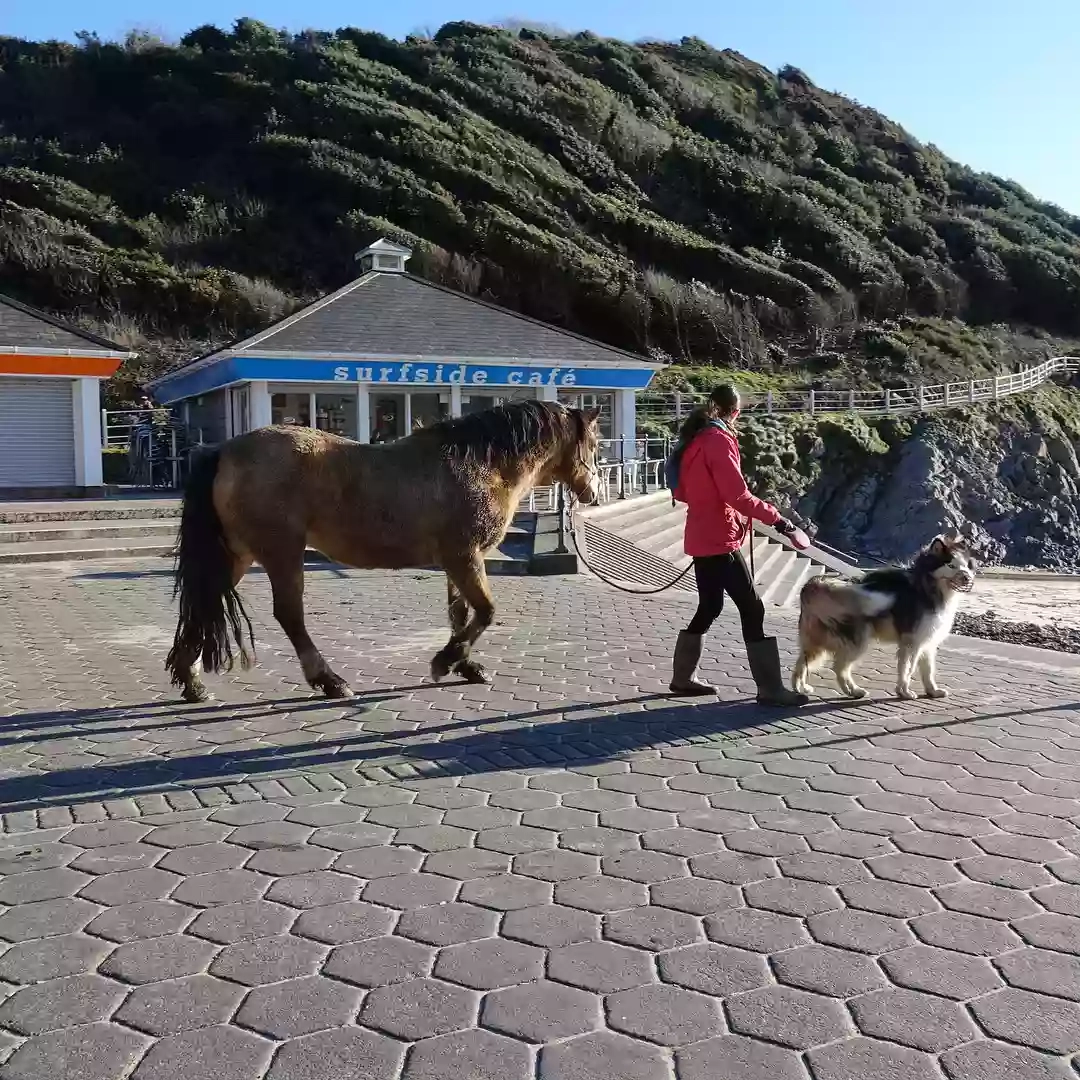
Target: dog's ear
x=939, y=546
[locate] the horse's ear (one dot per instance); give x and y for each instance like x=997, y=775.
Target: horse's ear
x=592, y=414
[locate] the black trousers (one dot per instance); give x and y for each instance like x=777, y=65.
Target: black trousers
x=719, y=574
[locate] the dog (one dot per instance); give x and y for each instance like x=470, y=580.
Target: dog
x=912, y=607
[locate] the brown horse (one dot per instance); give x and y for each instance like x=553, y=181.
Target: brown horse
x=442, y=497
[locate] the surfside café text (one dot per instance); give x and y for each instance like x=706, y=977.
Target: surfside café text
x=463, y=374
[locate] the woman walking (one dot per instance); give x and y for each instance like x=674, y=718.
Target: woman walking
x=718, y=520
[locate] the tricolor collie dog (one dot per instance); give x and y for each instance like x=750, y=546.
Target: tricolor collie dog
x=912, y=606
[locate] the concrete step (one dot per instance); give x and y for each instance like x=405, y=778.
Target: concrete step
x=90, y=529
x=19, y=513
x=68, y=550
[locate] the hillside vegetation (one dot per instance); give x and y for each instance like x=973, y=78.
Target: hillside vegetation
x=667, y=198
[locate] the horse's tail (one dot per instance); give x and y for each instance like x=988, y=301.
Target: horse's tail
x=211, y=611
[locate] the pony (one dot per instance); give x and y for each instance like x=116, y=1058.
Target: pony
x=441, y=497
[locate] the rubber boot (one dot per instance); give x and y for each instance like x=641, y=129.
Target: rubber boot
x=764, y=659
x=684, y=680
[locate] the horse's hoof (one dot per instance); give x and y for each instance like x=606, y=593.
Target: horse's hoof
x=334, y=687
x=471, y=671
x=195, y=694
x=439, y=668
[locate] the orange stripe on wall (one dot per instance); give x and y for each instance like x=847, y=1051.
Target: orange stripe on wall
x=100, y=366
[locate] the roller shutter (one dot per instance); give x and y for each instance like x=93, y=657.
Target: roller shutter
x=37, y=433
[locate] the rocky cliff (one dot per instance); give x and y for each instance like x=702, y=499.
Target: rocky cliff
x=1005, y=476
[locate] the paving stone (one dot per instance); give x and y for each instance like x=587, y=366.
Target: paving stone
x=221, y=887
x=214, y=1053
x=714, y=969
x=933, y=845
x=652, y=928
x=299, y=1007
x=1026, y=848
x=464, y=1055
x=890, y=898
x=343, y=1054
x=60, y=1003
x=965, y=933
x=645, y=866
x=328, y=814
x=268, y=960
x=173, y=1006
x=638, y=819
x=146, y=919
x=466, y=863
x=239, y=922
x=106, y=860
x=601, y=894
x=1049, y=1024
x=789, y=1017
x=93, y=1052
x=315, y=889
x=990, y=901
x=1051, y=931
x=765, y=842
x=759, y=931
x=734, y=1057
x=506, y=892
x=177, y=836
x=1007, y=873
x=40, y=885
x=297, y=859
x=863, y=1059
x=380, y=961
x=106, y=834
x=861, y=931
x=1042, y=972
x=696, y=896
x=149, y=961
x=360, y=835
x=591, y=801
x=603, y=1055
x=551, y=925
x=940, y=971
x=681, y=842
x=447, y=924
x=407, y=891
x=668, y=1015
x=733, y=867
x=920, y=1021
x=490, y=964
x=541, y=1011
x=555, y=865
x=419, y=1008
x=46, y=918
x=824, y=970
x=792, y=897
x=513, y=839
x=203, y=859
x=377, y=862
x=1063, y=899
x=378, y=795
x=996, y=1061
x=336, y=924
x=51, y=958
x=601, y=966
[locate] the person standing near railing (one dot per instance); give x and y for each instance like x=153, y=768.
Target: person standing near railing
x=720, y=510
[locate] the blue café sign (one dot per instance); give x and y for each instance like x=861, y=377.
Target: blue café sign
x=397, y=373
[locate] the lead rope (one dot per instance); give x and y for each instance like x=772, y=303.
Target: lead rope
x=571, y=502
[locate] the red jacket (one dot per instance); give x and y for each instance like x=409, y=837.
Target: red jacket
x=718, y=502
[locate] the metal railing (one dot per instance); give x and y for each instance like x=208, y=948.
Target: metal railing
x=905, y=399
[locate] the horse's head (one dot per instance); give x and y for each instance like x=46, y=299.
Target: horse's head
x=574, y=462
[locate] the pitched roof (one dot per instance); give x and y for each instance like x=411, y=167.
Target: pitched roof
x=399, y=314
x=25, y=328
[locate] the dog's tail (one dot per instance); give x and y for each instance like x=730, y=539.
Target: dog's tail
x=831, y=601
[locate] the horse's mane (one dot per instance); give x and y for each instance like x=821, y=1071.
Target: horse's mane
x=504, y=432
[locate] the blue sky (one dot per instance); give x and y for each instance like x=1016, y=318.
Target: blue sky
x=988, y=81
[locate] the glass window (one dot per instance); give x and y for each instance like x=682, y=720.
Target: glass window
x=291, y=409
x=336, y=413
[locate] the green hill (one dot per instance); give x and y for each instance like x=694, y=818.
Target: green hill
x=662, y=197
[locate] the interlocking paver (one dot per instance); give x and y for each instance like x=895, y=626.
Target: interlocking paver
x=336, y=924
x=60, y=1003
x=601, y=966
x=45, y=918
x=149, y=961
x=490, y=964
x=541, y=1011
x=824, y=970
x=464, y=1055
x=1049, y=1024
x=760, y=931
x=940, y=971
x=603, y=1055
x=299, y=1007
x=420, y=1008
x=176, y=1005
x=213, y=1053
x=1042, y=971
x=861, y=1059
x=268, y=960
x=551, y=925
x=965, y=933
x=789, y=1017
x=347, y=1053
x=93, y=1052
x=668, y=1015
x=146, y=919
x=920, y=1021
x=862, y=931
x=735, y=1057
x=447, y=924
x=714, y=969
x=997, y=1061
